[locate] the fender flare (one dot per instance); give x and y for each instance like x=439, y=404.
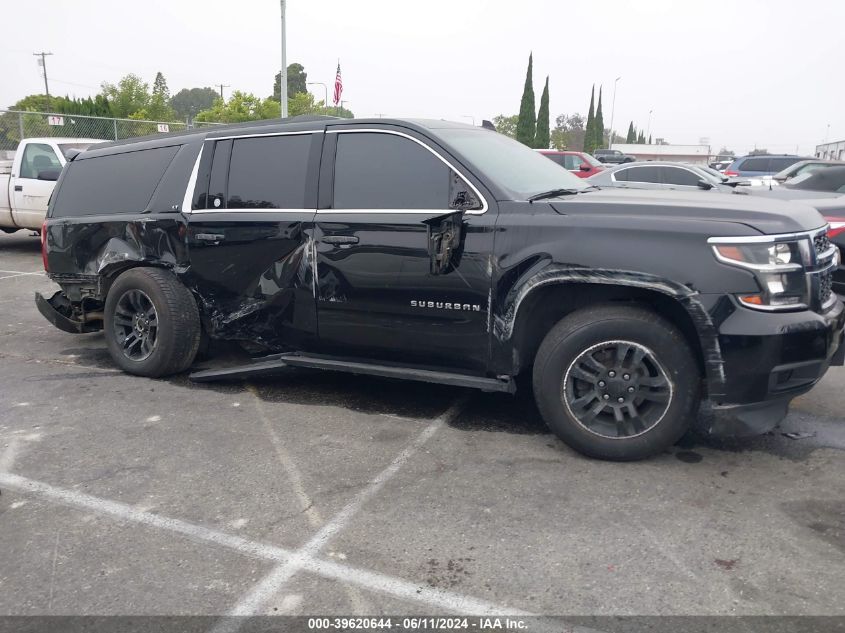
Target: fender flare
x=504, y=322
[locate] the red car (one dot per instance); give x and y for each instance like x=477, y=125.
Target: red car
x=579, y=163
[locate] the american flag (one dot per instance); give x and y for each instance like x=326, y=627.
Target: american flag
x=338, y=86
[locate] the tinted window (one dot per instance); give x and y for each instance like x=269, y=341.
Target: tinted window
x=117, y=183
x=642, y=174
x=560, y=159
x=219, y=175
x=384, y=171
x=621, y=175
x=782, y=163
x=38, y=157
x=679, y=176
x=754, y=164
x=269, y=172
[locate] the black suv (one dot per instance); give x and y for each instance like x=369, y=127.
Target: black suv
x=441, y=252
x=613, y=156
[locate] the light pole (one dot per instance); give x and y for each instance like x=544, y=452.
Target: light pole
x=283, y=75
x=648, y=127
x=325, y=90
x=612, y=113
x=469, y=116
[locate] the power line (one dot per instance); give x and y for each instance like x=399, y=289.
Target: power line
x=43, y=63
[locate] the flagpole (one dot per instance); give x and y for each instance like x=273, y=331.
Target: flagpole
x=283, y=75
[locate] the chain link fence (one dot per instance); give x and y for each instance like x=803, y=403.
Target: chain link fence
x=16, y=125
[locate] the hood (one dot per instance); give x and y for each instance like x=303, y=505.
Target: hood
x=785, y=193
x=762, y=214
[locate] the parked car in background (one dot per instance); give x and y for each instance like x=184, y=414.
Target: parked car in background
x=581, y=164
x=613, y=156
x=763, y=165
x=660, y=175
x=721, y=165
x=27, y=182
x=824, y=183
x=805, y=166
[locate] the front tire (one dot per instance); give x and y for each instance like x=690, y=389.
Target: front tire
x=617, y=383
x=152, y=325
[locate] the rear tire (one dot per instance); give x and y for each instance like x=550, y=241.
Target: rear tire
x=617, y=383
x=152, y=325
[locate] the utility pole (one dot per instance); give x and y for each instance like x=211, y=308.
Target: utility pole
x=648, y=128
x=283, y=75
x=612, y=112
x=221, y=86
x=43, y=63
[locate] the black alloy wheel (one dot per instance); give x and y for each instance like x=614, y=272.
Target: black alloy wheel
x=136, y=325
x=617, y=389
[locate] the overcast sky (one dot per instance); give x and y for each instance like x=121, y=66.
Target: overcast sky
x=741, y=73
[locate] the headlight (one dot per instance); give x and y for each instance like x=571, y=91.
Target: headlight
x=779, y=266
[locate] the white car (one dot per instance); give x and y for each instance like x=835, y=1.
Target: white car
x=28, y=180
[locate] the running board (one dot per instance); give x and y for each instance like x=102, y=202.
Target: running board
x=274, y=364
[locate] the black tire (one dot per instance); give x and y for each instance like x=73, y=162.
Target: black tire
x=656, y=397
x=175, y=323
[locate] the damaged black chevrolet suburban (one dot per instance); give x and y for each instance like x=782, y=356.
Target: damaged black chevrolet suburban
x=441, y=252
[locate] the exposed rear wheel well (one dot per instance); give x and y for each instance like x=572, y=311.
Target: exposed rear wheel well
x=547, y=305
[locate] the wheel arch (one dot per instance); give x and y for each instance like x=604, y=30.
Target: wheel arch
x=532, y=309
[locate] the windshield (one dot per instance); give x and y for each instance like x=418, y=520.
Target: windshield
x=67, y=147
x=520, y=171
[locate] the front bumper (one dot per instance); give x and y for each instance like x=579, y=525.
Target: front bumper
x=769, y=359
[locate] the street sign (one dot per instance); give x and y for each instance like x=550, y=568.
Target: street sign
x=55, y=120
x=163, y=128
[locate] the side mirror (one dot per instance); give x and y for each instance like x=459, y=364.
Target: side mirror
x=49, y=174
x=703, y=184
x=584, y=167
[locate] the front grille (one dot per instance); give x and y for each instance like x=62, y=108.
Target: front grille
x=825, y=286
x=821, y=242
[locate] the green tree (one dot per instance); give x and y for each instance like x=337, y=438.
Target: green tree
x=569, y=132
x=129, y=96
x=297, y=78
x=589, y=133
x=158, y=108
x=599, y=122
x=641, y=138
x=188, y=101
x=506, y=124
x=541, y=138
x=632, y=133
x=240, y=107
x=649, y=139
x=526, y=123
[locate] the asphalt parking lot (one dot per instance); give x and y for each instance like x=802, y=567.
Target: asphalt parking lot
x=322, y=493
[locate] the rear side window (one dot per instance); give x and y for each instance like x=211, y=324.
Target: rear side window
x=641, y=174
x=679, y=176
x=38, y=157
x=385, y=171
x=268, y=172
x=755, y=164
x=782, y=163
x=117, y=183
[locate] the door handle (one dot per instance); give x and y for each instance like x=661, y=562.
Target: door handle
x=340, y=239
x=210, y=237
x=18, y=187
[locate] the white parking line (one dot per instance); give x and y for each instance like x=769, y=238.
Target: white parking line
x=366, y=579
x=21, y=272
x=258, y=596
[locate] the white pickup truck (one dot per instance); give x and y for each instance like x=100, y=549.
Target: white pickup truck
x=27, y=181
